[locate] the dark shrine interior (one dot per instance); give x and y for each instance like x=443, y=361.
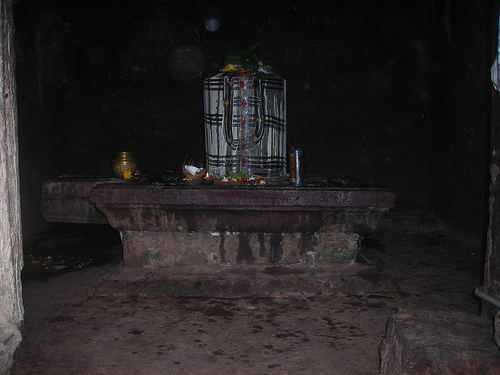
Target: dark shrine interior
x=393, y=93
x=396, y=96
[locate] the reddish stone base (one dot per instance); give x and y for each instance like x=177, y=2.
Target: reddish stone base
x=182, y=226
x=436, y=342
x=217, y=226
x=215, y=249
x=240, y=282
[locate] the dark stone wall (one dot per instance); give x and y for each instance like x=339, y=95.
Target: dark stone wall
x=97, y=77
x=460, y=110
x=38, y=128
x=491, y=279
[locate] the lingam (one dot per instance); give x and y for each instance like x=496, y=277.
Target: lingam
x=245, y=120
x=232, y=223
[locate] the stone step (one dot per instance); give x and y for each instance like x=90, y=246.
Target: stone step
x=438, y=343
x=240, y=282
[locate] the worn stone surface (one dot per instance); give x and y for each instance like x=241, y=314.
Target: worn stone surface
x=245, y=282
x=497, y=328
x=9, y=342
x=67, y=200
x=248, y=197
x=163, y=226
x=492, y=257
x=11, y=261
x=215, y=249
x=241, y=209
x=74, y=326
x=437, y=343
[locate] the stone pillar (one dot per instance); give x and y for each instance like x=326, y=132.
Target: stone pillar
x=492, y=259
x=11, y=261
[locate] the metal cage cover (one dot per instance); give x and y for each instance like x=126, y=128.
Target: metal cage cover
x=245, y=125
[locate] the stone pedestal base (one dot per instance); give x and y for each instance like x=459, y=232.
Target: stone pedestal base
x=439, y=343
x=183, y=225
x=242, y=282
x=212, y=249
x=240, y=225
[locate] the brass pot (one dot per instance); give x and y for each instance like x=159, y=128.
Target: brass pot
x=123, y=162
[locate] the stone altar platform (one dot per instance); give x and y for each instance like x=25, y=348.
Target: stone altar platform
x=219, y=226
x=66, y=199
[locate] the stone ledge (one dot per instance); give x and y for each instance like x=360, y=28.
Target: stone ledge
x=240, y=282
x=67, y=200
x=437, y=343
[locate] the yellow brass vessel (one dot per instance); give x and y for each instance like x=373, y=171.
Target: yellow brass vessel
x=124, y=162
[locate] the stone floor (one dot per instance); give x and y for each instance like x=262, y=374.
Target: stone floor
x=71, y=329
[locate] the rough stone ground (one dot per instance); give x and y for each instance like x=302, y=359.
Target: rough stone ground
x=70, y=331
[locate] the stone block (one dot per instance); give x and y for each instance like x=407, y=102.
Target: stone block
x=247, y=281
x=215, y=249
x=9, y=341
x=220, y=225
x=67, y=200
x=438, y=343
